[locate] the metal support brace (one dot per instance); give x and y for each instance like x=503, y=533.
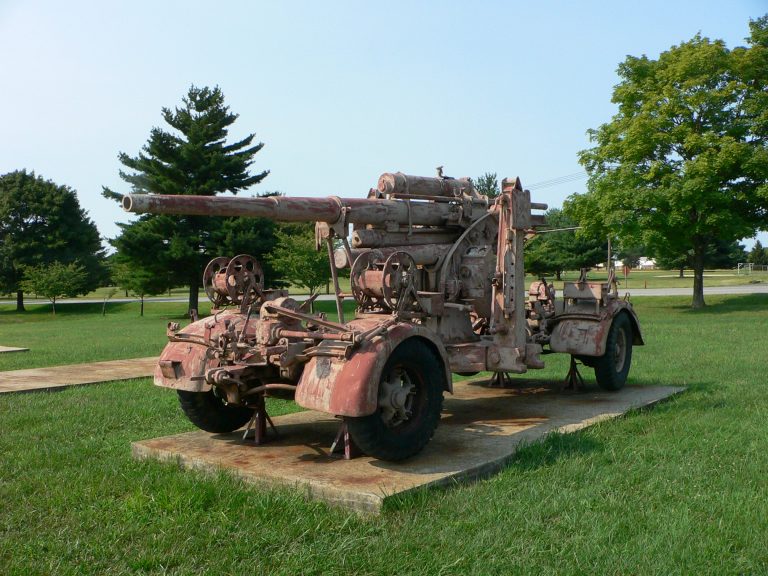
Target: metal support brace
x=349, y=448
x=500, y=380
x=258, y=423
x=574, y=381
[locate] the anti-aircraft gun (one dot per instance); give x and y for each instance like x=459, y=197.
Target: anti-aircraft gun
x=436, y=271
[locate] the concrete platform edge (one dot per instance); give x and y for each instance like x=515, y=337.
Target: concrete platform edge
x=366, y=502
x=363, y=503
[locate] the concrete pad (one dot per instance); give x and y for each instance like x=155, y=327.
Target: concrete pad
x=5, y=349
x=75, y=374
x=480, y=431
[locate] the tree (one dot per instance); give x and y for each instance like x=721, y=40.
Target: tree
x=138, y=281
x=488, y=184
x=684, y=162
x=718, y=254
x=758, y=254
x=41, y=223
x=194, y=159
x=55, y=280
x=296, y=258
x=562, y=249
x=630, y=254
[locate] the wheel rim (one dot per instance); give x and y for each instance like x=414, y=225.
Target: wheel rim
x=397, y=394
x=620, y=351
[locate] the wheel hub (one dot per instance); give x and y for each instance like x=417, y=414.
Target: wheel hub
x=396, y=394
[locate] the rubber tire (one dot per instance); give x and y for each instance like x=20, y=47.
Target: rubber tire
x=608, y=377
x=208, y=412
x=427, y=372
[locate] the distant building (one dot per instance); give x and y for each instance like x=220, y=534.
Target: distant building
x=646, y=263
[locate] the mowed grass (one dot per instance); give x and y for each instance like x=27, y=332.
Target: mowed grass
x=79, y=333
x=677, y=489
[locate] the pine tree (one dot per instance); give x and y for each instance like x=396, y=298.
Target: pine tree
x=194, y=159
x=488, y=185
x=758, y=254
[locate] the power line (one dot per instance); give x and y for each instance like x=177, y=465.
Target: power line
x=581, y=175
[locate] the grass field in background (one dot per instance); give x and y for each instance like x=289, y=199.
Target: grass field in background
x=636, y=279
x=79, y=333
x=679, y=488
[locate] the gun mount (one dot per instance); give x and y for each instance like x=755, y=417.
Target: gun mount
x=436, y=271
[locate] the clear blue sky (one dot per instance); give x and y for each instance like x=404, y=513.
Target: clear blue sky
x=338, y=91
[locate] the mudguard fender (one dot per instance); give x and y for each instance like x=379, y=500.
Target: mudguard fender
x=183, y=363
x=182, y=366
x=349, y=387
x=582, y=335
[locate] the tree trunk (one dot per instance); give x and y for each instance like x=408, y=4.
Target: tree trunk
x=20, y=301
x=193, y=293
x=558, y=273
x=681, y=274
x=699, y=247
x=53, y=305
x=142, y=305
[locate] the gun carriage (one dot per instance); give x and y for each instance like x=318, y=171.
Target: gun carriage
x=436, y=271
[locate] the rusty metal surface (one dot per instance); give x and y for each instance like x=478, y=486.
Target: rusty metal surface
x=342, y=386
x=434, y=267
x=480, y=432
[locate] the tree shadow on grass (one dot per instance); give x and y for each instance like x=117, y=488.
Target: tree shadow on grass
x=728, y=304
x=43, y=311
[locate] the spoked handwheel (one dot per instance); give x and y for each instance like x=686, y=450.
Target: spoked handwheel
x=399, y=278
x=410, y=398
x=245, y=279
x=215, y=282
x=365, y=279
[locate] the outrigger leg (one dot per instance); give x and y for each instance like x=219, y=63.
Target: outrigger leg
x=258, y=423
x=574, y=380
x=349, y=448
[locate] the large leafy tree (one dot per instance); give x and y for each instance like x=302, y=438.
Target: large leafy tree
x=560, y=247
x=684, y=162
x=40, y=223
x=296, y=258
x=718, y=254
x=192, y=159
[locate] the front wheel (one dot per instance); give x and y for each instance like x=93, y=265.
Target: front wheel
x=410, y=399
x=207, y=411
x=612, y=368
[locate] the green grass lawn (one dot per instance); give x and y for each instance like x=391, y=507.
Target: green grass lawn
x=678, y=489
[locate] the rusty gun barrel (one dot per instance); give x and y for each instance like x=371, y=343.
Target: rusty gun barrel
x=392, y=184
x=301, y=209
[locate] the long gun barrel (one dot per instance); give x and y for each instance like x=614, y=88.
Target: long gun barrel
x=400, y=199
x=297, y=209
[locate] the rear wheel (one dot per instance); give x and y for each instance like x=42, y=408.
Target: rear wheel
x=410, y=399
x=208, y=412
x=612, y=369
